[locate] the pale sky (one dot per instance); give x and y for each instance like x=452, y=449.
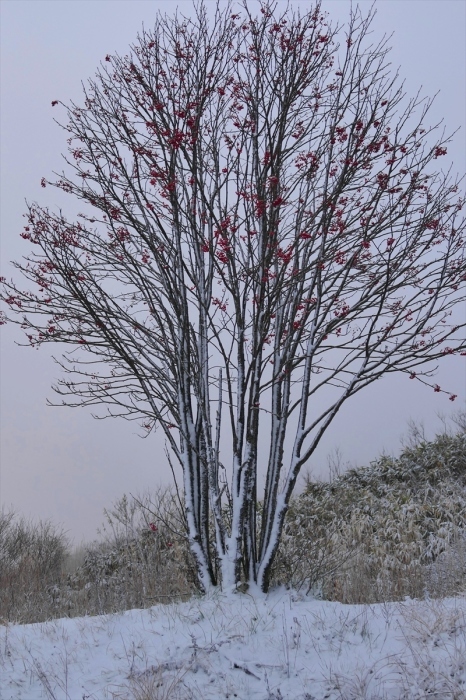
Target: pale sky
x=60, y=464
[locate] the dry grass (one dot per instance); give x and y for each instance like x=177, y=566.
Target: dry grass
x=155, y=684
x=427, y=626
x=32, y=557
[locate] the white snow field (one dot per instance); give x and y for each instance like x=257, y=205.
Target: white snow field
x=274, y=647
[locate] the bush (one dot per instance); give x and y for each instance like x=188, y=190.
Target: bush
x=143, y=559
x=396, y=528
x=32, y=557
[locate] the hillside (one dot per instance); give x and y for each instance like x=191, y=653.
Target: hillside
x=279, y=647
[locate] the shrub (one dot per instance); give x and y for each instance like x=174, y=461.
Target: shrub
x=396, y=528
x=31, y=560
x=143, y=558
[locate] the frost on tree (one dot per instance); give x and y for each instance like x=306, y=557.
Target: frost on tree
x=265, y=230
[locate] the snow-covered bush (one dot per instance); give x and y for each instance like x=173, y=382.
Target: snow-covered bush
x=143, y=558
x=395, y=528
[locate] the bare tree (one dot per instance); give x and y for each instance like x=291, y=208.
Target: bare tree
x=264, y=233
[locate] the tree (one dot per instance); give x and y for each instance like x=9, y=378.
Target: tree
x=264, y=233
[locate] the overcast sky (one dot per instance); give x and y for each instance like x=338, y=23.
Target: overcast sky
x=60, y=464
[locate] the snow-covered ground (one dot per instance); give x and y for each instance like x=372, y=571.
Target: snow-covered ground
x=236, y=646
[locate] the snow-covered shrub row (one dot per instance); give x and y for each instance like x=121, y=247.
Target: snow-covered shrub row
x=396, y=528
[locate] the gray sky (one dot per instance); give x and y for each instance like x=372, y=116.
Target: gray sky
x=61, y=464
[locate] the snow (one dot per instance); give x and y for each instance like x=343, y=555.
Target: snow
x=272, y=647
